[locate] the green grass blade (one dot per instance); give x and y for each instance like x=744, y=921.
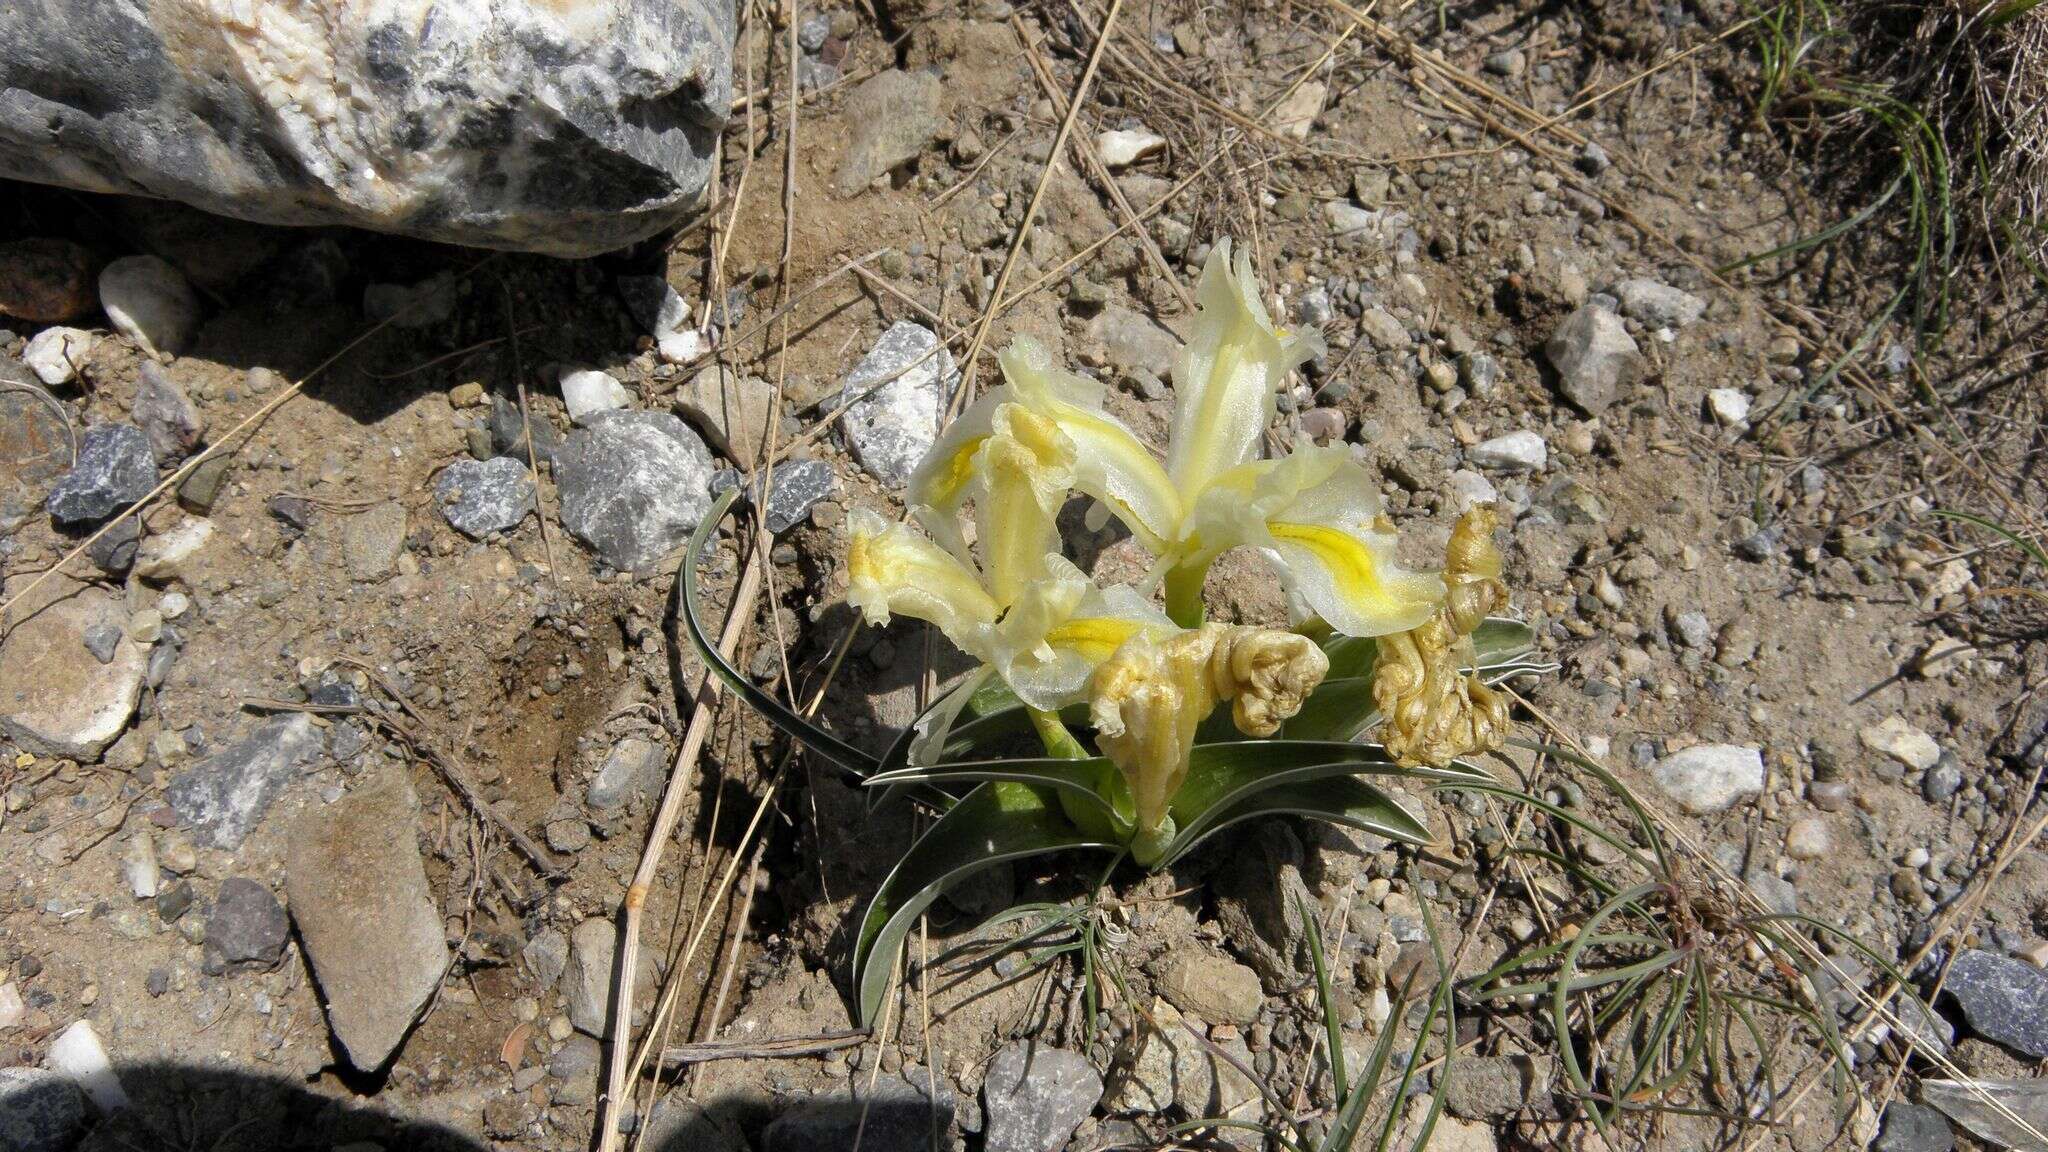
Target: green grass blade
x=1332, y=1027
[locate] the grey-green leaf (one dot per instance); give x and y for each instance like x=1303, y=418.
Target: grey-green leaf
x=993, y=823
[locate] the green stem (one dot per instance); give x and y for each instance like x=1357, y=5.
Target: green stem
x=1054, y=735
x=1184, y=593
x=1060, y=742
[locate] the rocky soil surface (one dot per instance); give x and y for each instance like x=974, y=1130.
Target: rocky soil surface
x=326, y=771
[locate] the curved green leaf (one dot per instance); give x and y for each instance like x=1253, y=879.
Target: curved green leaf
x=1074, y=776
x=1337, y=710
x=993, y=823
x=1222, y=774
x=1344, y=800
x=796, y=727
x=925, y=741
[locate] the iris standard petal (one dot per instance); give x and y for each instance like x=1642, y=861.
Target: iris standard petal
x=1226, y=377
x=1110, y=463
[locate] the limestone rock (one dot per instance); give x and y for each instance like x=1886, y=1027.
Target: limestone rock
x=55, y=353
x=1710, y=777
x=56, y=697
x=633, y=486
x=226, y=795
x=890, y=431
x=1597, y=361
x=564, y=129
x=359, y=896
x=1036, y=1096
x=890, y=117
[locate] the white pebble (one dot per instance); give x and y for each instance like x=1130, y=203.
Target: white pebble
x=1519, y=451
x=1807, y=839
x=1728, y=406
x=55, y=353
x=1124, y=147
x=78, y=1054
x=586, y=391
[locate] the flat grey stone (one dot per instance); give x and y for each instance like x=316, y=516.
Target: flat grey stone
x=115, y=468
x=1597, y=361
x=1710, y=777
x=732, y=411
x=2003, y=1000
x=1134, y=342
x=508, y=429
x=1034, y=1097
x=890, y=431
x=1658, y=304
x=633, y=486
x=482, y=497
x=629, y=769
x=1913, y=1128
x=372, y=539
x=1212, y=987
x=225, y=796
x=798, y=487
x=515, y=125
x=40, y=1110
x=1490, y=1087
x=360, y=898
x=893, y=116
x=58, y=697
x=587, y=978
x=2027, y=1099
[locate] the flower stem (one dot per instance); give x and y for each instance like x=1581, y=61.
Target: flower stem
x=1060, y=742
x=1054, y=735
x=1184, y=593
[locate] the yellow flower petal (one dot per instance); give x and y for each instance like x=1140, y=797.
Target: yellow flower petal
x=1226, y=378
x=892, y=569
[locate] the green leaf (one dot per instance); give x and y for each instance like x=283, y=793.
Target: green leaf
x=1329, y=792
x=796, y=727
x=1079, y=777
x=994, y=823
x=924, y=742
x=1336, y=710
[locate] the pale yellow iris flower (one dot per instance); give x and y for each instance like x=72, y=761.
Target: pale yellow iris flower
x=1314, y=514
x=1020, y=607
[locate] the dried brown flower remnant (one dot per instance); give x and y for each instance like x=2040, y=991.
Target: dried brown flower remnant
x=1434, y=712
x=1148, y=699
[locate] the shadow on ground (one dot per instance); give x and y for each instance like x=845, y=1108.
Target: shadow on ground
x=182, y=1107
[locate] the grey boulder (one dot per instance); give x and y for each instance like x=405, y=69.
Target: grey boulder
x=534, y=126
